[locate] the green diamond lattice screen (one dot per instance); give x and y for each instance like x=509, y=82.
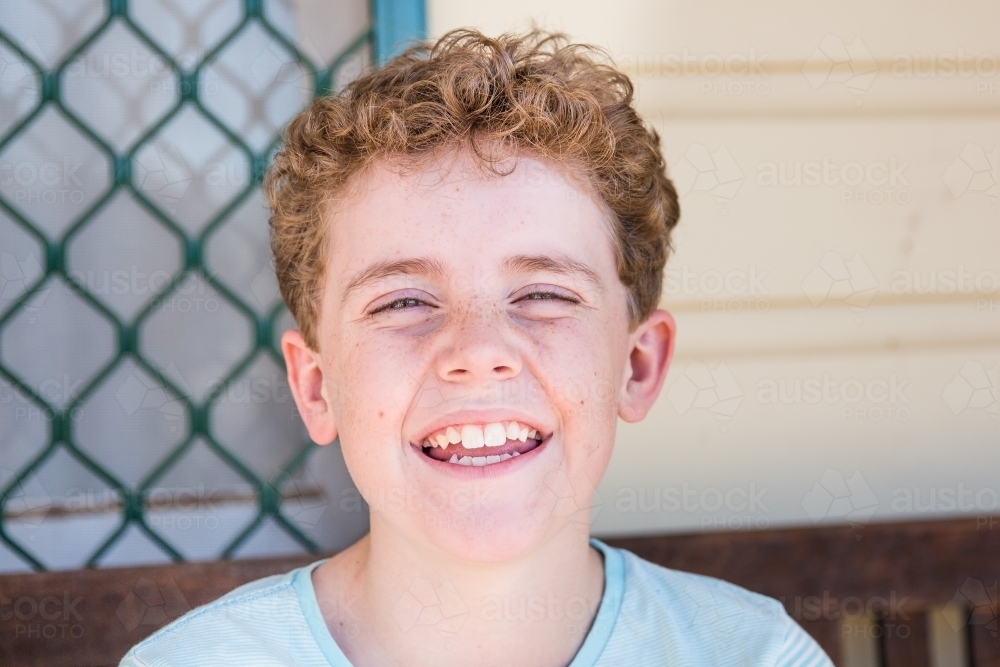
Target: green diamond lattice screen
x=140, y=379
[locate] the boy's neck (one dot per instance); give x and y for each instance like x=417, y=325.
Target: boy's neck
x=388, y=600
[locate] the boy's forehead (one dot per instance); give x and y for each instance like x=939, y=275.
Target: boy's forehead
x=454, y=205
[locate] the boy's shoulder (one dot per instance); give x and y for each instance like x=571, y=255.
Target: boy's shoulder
x=704, y=596
x=695, y=619
x=256, y=623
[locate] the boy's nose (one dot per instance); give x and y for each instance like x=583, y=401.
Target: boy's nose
x=480, y=351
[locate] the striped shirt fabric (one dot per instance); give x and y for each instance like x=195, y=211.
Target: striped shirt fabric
x=648, y=615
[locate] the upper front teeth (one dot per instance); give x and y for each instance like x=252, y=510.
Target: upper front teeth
x=473, y=436
x=494, y=434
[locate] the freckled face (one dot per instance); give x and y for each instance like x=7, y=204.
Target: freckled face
x=473, y=295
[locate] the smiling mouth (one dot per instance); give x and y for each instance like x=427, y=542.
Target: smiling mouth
x=481, y=444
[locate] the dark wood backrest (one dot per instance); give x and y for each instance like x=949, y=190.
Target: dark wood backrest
x=897, y=571
x=92, y=617
x=83, y=618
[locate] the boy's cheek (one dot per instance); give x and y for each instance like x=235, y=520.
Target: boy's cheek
x=376, y=373
x=582, y=378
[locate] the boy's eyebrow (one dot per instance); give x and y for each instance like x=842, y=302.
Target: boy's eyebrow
x=554, y=264
x=432, y=268
x=419, y=266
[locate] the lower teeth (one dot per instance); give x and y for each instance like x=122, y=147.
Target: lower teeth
x=481, y=460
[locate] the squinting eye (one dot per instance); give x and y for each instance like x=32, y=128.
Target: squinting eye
x=547, y=296
x=399, y=304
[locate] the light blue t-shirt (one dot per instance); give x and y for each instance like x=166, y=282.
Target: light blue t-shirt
x=648, y=615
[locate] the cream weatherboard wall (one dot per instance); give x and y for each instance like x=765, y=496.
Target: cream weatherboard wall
x=837, y=276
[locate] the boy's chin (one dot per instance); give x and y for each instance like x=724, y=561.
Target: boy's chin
x=495, y=513
x=487, y=537
x=507, y=531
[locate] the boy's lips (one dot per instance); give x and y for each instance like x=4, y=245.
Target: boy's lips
x=480, y=438
x=509, y=448
x=482, y=468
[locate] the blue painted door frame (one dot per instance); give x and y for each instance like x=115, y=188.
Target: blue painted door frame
x=397, y=23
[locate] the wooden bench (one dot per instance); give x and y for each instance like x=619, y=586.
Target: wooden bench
x=899, y=572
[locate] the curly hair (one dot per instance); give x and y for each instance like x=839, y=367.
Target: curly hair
x=528, y=93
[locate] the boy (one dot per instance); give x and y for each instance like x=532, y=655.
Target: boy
x=472, y=242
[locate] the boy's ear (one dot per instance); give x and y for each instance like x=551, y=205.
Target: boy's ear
x=305, y=377
x=652, y=348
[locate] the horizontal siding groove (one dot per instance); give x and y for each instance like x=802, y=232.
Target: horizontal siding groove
x=794, y=302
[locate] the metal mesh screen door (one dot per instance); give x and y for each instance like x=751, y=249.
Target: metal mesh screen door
x=144, y=414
